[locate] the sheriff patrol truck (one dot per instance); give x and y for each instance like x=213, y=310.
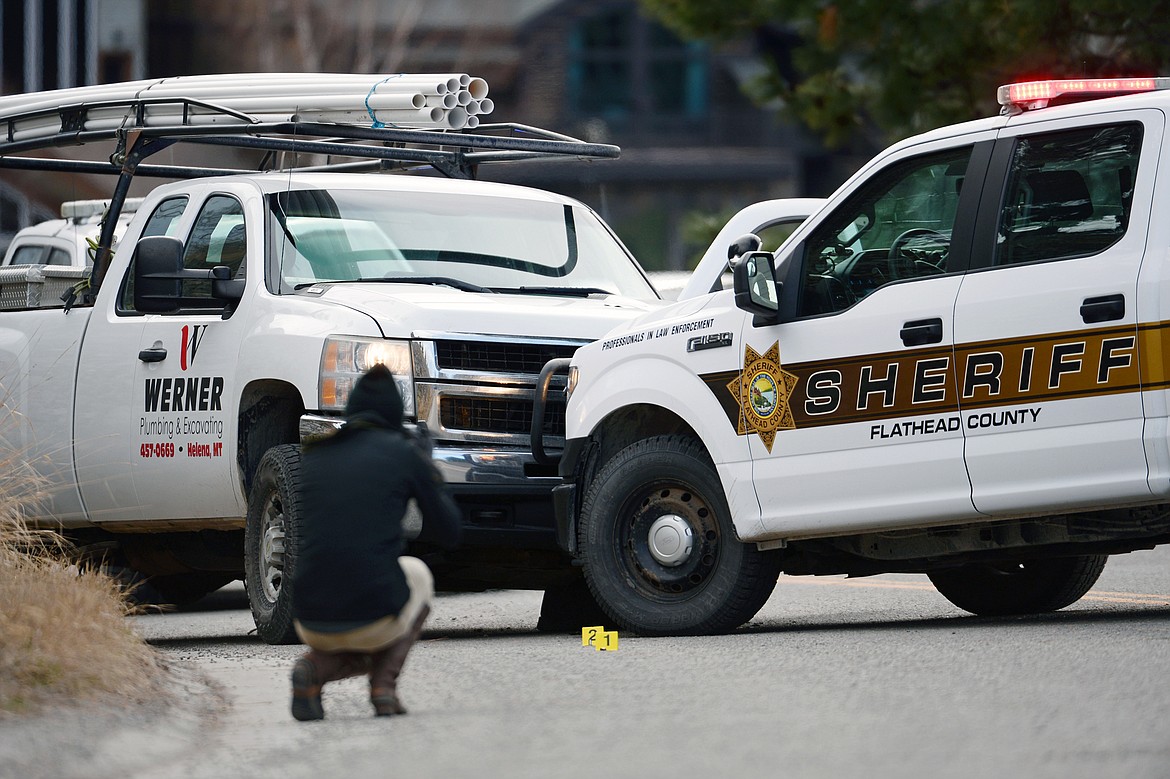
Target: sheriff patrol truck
x=163, y=397
x=957, y=367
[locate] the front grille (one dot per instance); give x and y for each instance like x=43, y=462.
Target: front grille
x=498, y=357
x=499, y=415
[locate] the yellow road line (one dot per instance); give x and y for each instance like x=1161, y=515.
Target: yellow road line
x=1127, y=597
x=880, y=584
x=1100, y=596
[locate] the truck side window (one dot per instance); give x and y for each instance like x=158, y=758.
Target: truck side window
x=218, y=238
x=163, y=221
x=896, y=226
x=1069, y=193
x=29, y=254
x=59, y=257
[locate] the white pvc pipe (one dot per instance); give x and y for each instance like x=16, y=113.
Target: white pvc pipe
x=478, y=88
x=202, y=87
x=429, y=117
x=457, y=118
x=443, y=101
x=285, y=92
x=296, y=103
x=435, y=118
x=407, y=99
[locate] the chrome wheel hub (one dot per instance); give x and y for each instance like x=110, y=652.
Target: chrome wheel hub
x=272, y=554
x=671, y=540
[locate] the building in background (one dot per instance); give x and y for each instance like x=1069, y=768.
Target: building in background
x=693, y=145
x=55, y=44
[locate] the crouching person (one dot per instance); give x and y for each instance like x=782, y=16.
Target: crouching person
x=359, y=604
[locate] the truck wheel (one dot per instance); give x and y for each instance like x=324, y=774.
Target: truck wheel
x=660, y=553
x=270, y=543
x=1021, y=587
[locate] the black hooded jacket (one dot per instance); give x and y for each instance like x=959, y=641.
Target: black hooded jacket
x=355, y=487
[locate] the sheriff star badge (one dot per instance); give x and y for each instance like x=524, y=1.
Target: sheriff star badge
x=762, y=390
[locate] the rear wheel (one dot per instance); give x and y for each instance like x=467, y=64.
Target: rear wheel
x=1019, y=587
x=270, y=543
x=659, y=550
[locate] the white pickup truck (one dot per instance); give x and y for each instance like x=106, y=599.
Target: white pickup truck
x=166, y=402
x=68, y=241
x=956, y=367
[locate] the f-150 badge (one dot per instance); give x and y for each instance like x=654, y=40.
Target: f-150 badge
x=762, y=390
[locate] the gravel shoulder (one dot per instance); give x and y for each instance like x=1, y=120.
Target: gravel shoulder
x=111, y=737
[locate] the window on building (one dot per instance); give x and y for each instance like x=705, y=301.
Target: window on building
x=624, y=67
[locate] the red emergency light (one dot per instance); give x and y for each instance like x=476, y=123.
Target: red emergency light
x=1036, y=94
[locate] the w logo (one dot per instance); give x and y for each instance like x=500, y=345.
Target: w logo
x=192, y=334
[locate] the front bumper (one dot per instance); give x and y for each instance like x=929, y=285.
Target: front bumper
x=463, y=464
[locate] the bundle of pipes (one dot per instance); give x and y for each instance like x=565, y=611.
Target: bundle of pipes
x=426, y=101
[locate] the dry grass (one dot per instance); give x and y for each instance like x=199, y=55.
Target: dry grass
x=63, y=633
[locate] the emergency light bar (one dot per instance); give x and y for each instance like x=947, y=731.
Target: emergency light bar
x=1036, y=94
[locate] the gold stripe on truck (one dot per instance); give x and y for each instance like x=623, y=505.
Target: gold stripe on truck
x=941, y=380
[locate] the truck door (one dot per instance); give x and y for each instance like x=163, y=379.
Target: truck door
x=180, y=368
x=853, y=401
x=1047, y=329
x=185, y=382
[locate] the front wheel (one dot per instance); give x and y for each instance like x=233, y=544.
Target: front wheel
x=270, y=543
x=659, y=550
x=1019, y=587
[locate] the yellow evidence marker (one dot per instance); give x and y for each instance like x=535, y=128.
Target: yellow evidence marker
x=599, y=638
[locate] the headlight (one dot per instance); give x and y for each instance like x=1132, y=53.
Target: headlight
x=572, y=385
x=345, y=360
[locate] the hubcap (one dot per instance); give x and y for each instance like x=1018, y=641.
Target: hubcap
x=671, y=540
x=272, y=551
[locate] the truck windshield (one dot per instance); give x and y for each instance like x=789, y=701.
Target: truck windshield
x=478, y=243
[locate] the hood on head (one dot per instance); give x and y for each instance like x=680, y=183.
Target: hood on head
x=376, y=393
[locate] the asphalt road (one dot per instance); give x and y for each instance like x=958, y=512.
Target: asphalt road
x=876, y=677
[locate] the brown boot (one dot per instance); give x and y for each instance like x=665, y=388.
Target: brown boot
x=386, y=667
x=313, y=670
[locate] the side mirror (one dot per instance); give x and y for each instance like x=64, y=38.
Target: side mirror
x=744, y=244
x=159, y=275
x=158, y=265
x=224, y=287
x=756, y=289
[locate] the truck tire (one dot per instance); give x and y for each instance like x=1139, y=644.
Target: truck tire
x=639, y=563
x=270, y=543
x=1020, y=587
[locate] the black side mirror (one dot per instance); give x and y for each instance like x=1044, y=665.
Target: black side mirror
x=756, y=288
x=159, y=276
x=744, y=244
x=158, y=265
x=224, y=287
